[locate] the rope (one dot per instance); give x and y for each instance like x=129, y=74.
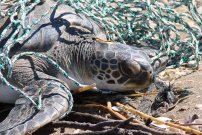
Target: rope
x=144, y=21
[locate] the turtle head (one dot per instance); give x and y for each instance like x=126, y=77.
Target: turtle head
x=120, y=67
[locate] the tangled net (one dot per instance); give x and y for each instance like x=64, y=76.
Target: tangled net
x=148, y=22
x=135, y=22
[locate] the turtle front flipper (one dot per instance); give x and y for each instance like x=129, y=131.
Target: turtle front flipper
x=26, y=118
x=36, y=77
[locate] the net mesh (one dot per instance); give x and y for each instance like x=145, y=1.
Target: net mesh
x=161, y=25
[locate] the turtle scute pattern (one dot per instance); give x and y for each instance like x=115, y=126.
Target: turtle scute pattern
x=119, y=66
x=116, y=67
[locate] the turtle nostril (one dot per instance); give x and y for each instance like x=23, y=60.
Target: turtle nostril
x=150, y=72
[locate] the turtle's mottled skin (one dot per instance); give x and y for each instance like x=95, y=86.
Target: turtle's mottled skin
x=69, y=39
x=113, y=66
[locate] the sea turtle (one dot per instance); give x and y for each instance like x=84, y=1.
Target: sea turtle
x=70, y=39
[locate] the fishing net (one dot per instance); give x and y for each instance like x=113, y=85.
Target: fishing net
x=150, y=23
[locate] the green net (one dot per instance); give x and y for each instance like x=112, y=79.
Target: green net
x=135, y=22
x=148, y=22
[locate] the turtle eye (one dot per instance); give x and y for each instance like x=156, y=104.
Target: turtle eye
x=130, y=68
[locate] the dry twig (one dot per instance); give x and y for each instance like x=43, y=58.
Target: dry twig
x=143, y=94
x=113, y=113
x=187, y=129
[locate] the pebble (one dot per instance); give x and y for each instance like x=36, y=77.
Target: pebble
x=165, y=119
x=198, y=106
x=115, y=108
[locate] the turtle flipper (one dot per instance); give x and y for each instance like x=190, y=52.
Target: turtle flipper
x=25, y=117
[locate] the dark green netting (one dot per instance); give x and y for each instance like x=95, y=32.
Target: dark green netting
x=142, y=22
